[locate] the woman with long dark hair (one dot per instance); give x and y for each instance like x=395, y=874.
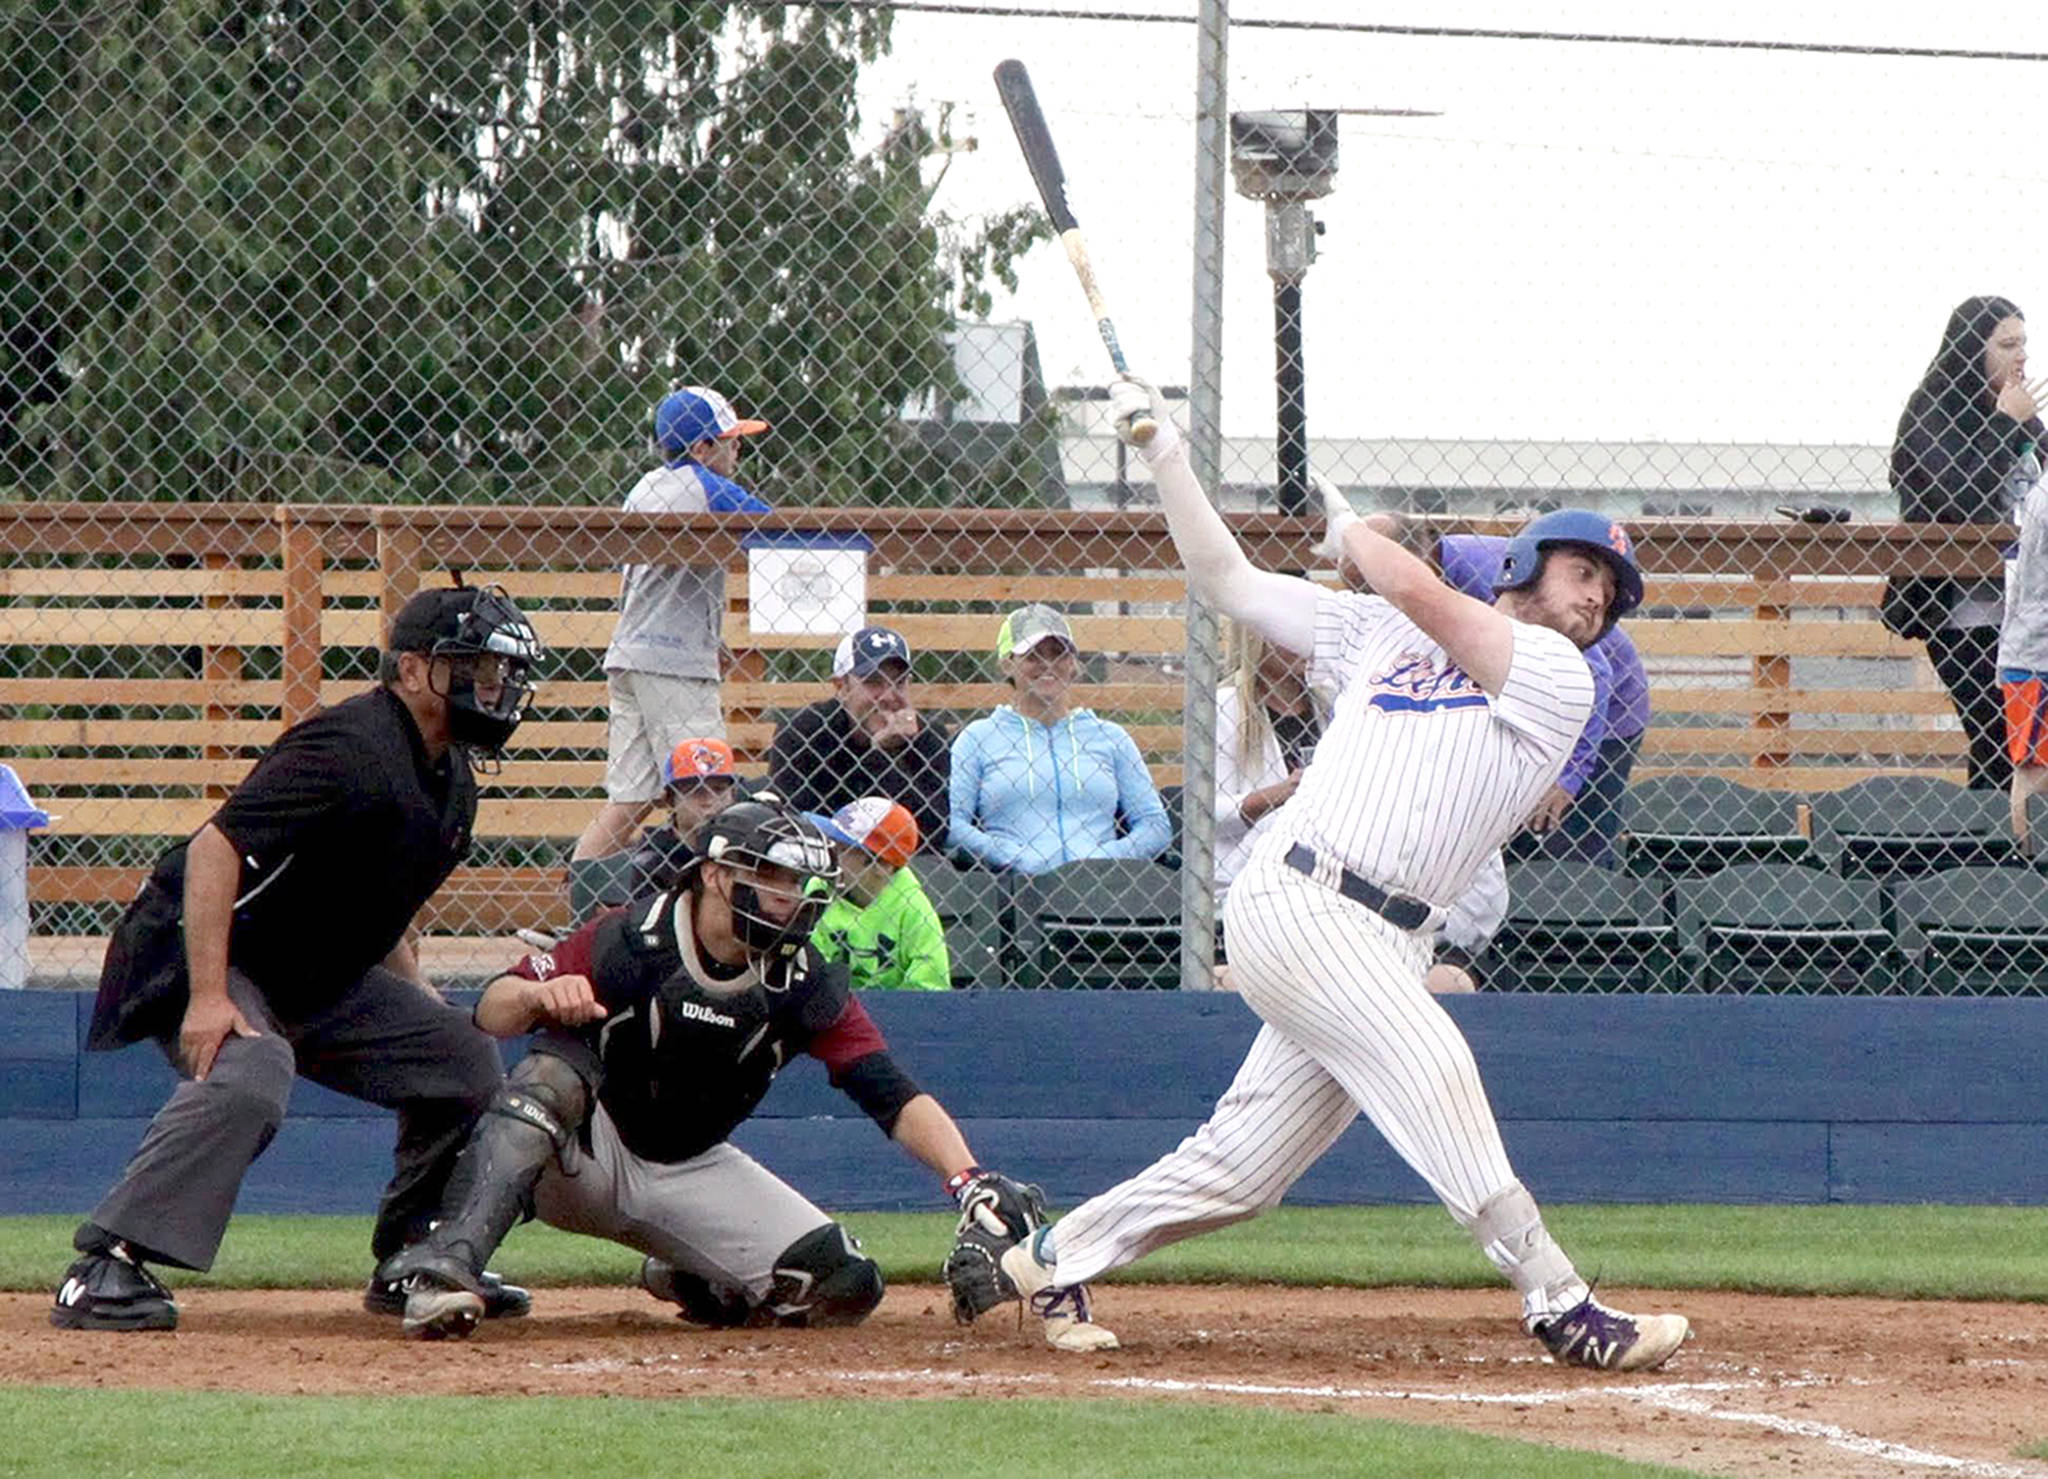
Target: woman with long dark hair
x=1965, y=453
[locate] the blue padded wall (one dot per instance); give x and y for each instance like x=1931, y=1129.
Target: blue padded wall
x=1635, y=1099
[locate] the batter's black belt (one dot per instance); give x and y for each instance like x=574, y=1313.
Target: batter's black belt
x=1396, y=909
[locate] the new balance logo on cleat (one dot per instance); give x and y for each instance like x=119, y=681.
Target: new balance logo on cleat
x=1601, y=1339
x=1584, y=1349
x=111, y=1291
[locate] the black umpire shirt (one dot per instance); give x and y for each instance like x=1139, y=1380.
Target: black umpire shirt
x=344, y=829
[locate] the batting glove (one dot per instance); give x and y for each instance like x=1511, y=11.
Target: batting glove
x=1134, y=403
x=1338, y=516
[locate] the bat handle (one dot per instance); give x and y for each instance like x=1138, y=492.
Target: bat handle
x=1141, y=431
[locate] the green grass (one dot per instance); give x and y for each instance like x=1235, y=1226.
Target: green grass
x=1893, y=1252
x=61, y=1434
x=1897, y=1252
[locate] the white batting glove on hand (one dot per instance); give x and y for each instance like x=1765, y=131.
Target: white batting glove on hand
x=1133, y=403
x=1338, y=515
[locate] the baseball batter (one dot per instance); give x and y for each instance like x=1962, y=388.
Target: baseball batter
x=1453, y=718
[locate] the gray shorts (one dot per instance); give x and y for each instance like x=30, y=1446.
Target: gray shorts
x=650, y=712
x=722, y=1215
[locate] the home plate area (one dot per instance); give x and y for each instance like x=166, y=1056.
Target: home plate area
x=1766, y=1386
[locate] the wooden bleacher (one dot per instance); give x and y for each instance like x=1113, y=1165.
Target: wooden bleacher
x=153, y=650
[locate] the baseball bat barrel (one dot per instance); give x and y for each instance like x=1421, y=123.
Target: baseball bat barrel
x=1020, y=101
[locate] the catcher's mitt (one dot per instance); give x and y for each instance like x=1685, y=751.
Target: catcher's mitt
x=974, y=1272
x=996, y=1214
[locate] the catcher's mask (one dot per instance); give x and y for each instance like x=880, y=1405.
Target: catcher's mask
x=785, y=873
x=490, y=650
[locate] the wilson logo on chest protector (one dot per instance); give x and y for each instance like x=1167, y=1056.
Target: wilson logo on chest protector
x=698, y=1013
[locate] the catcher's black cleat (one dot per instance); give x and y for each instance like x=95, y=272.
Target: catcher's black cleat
x=438, y=1310
x=502, y=1301
x=444, y=1296
x=699, y=1302
x=111, y=1291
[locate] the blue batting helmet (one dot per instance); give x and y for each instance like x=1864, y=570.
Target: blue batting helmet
x=1521, y=563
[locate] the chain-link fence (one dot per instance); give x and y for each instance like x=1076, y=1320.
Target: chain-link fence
x=310, y=303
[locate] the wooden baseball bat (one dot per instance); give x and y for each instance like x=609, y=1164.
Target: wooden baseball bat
x=1013, y=83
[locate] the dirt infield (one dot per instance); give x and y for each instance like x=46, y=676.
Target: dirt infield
x=1768, y=1386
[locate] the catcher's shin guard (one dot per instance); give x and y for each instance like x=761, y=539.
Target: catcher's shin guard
x=532, y=1118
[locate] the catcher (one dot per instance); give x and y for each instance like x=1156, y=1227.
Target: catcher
x=658, y=1028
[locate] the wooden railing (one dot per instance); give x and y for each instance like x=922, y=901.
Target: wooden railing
x=157, y=648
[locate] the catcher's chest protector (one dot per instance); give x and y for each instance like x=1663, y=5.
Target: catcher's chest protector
x=689, y=1065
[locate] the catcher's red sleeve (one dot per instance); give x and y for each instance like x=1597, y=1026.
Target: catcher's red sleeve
x=572, y=957
x=853, y=1037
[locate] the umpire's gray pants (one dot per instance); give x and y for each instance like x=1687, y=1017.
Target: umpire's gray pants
x=721, y=1215
x=385, y=1041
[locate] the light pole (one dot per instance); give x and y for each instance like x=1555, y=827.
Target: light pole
x=1287, y=159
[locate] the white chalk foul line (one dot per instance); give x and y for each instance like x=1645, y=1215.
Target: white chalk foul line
x=1683, y=1397
x=1853, y=1442
x=1672, y=1396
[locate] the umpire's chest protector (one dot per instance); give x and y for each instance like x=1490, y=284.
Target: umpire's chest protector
x=688, y=1064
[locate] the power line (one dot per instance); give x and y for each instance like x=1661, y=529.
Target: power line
x=1354, y=28
x=1452, y=33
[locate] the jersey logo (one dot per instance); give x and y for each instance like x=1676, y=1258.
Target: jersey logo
x=696, y=1013
x=542, y=966
x=1414, y=684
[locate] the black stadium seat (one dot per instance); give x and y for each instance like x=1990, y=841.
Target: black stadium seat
x=1689, y=826
x=1099, y=922
x=1576, y=927
x=1780, y=927
x=1975, y=930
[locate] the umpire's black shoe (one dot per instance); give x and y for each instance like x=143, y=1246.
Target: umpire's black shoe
x=502, y=1301
x=111, y=1291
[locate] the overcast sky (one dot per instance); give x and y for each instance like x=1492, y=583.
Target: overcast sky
x=1592, y=242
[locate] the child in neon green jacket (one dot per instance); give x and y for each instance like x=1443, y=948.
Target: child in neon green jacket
x=881, y=925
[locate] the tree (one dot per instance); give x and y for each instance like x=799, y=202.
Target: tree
x=446, y=250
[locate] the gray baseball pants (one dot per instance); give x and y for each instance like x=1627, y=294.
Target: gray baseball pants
x=721, y=1215
x=385, y=1041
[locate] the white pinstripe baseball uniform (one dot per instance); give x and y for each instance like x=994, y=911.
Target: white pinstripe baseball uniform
x=1418, y=782
x=1421, y=776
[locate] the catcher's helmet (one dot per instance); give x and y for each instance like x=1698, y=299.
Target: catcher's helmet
x=759, y=834
x=1521, y=563
x=469, y=627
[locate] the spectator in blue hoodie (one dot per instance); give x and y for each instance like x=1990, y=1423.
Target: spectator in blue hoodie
x=1039, y=782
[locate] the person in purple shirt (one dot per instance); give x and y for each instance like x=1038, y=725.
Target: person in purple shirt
x=1581, y=817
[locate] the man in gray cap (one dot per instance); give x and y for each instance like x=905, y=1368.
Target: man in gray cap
x=867, y=739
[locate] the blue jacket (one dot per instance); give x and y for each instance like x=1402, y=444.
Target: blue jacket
x=1030, y=796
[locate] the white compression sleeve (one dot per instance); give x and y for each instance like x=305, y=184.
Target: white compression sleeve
x=1281, y=608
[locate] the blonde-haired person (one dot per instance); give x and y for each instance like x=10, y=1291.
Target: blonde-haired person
x=1267, y=723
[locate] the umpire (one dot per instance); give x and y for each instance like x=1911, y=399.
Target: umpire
x=275, y=942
